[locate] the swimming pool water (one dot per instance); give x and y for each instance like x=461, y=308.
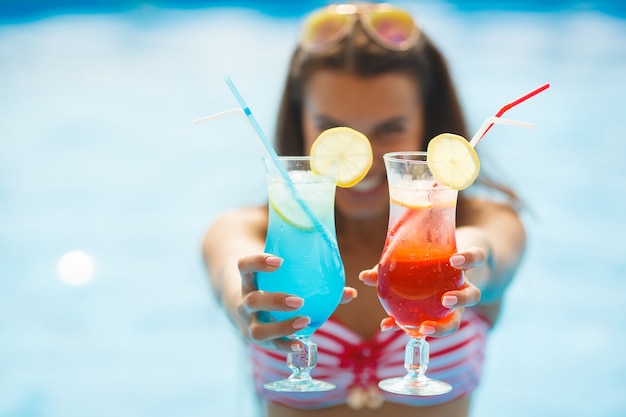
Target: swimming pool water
x=98, y=154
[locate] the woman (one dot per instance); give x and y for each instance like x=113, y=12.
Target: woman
x=368, y=67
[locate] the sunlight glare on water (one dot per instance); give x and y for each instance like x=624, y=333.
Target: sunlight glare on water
x=75, y=268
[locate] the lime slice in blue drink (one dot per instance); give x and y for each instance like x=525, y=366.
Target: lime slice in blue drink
x=314, y=191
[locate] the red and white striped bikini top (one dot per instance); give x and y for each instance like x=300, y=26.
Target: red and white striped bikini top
x=356, y=365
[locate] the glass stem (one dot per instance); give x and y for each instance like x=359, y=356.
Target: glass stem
x=416, y=357
x=302, y=362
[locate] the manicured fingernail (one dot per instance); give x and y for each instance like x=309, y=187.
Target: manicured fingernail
x=387, y=324
x=301, y=323
x=449, y=300
x=294, y=302
x=426, y=330
x=295, y=347
x=457, y=260
x=273, y=261
x=385, y=327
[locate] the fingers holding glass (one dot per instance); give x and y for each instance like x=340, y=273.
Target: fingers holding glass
x=261, y=329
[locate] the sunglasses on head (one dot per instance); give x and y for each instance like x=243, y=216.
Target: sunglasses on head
x=391, y=27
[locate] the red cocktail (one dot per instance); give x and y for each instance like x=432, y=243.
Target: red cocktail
x=414, y=271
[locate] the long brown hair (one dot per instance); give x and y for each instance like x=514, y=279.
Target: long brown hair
x=361, y=56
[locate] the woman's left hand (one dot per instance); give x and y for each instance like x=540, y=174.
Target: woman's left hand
x=466, y=296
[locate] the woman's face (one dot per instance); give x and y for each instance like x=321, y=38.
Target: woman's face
x=385, y=108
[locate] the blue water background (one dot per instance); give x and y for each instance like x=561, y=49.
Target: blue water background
x=98, y=153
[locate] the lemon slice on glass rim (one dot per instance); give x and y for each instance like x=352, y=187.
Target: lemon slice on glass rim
x=453, y=161
x=344, y=151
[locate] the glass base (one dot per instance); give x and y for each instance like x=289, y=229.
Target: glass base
x=299, y=385
x=420, y=386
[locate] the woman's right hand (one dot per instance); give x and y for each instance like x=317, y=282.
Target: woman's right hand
x=270, y=334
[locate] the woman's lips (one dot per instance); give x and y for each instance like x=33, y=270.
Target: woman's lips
x=366, y=199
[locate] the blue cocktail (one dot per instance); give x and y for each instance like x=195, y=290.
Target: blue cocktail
x=301, y=230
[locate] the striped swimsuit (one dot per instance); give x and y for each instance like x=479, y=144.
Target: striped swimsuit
x=356, y=365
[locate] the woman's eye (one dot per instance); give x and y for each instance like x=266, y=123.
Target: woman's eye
x=389, y=133
x=392, y=129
